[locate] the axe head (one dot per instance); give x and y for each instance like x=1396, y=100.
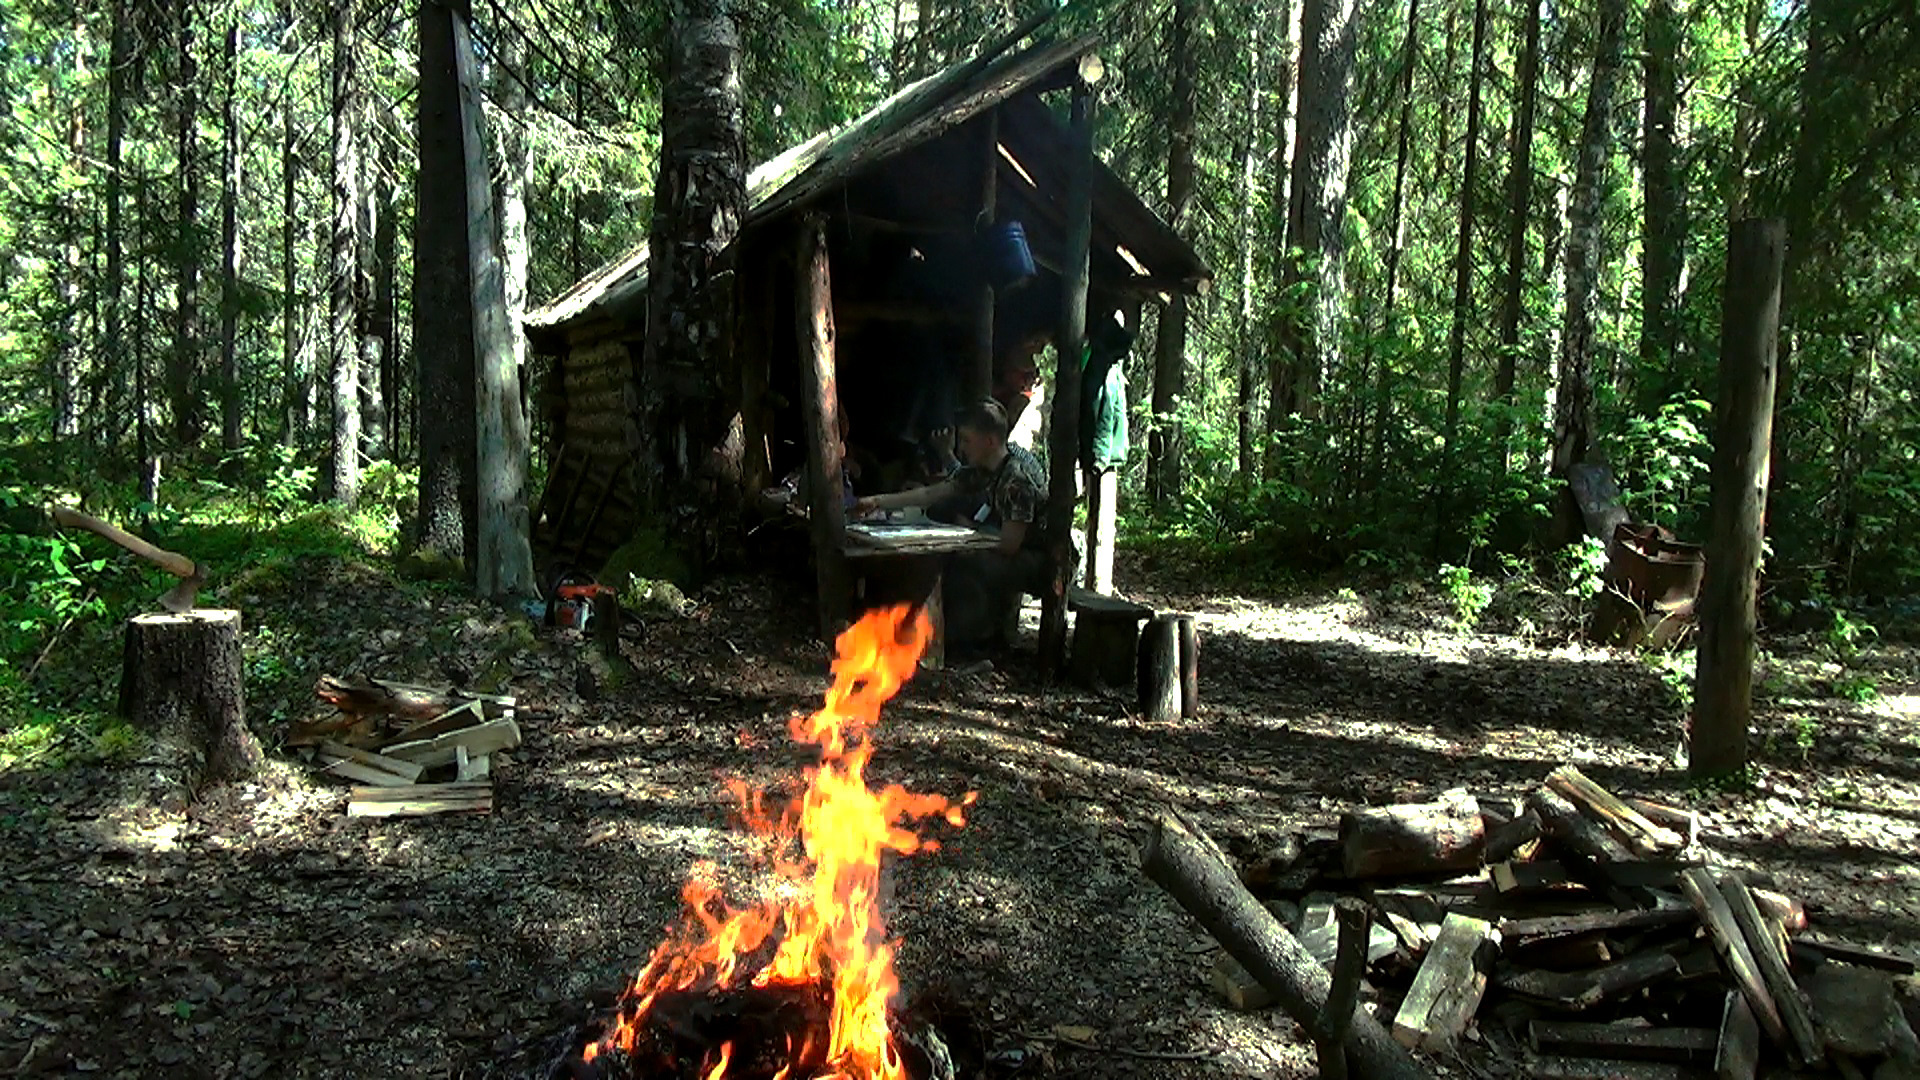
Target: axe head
x=181, y=597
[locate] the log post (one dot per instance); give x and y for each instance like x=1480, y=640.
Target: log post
x=181, y=683
x=1063, y=445
x=1187, y=866
x=1103, y=504
x=1742, y=437
x=827, y=514
x=979, y=375
x=1157, y=675
x=1189, y=667
x=1349, y=966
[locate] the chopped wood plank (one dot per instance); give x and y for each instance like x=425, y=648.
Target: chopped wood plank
x=449, y=790
x=1625, y=1042
x=472, y=766
x=478, y=739
x=1567, y=1068
x=1861, y=956
x=1516, y=930
x=1575, y=991
x=1705, y=897
x=335, y=765
x=1769, y=949
x=1626, y=823
x=421, y=799
x=464, y=715
x=1683, y=822
x=407, y=770
x=1738, y=1057
x=1448, y=987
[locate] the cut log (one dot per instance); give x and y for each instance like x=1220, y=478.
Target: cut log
x=1520, y=930
x=1580, y=990
x=1625, y=1042
x=1106, y=638
x=420, y=800
x=1448, y=987
x=1769, y=949
x=1158, y=681
x=1189, y=667
x=1738, y=1056
x=1632, y=828
x=1732, y=946
x=1184, y=863
x=181, y=683
x=1413, y=839
x=1780, y=908
x=407, y=771
x=442, y=749
x=1562, y=821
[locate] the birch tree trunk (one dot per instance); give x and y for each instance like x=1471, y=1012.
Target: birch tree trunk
x=442, y=302
x=1573, y=413
x=1663, y=238
x=184, y=365
x=1519, y=211
x=343, y=339
x=1170, y=341
x=690, y=381
x=230, y=397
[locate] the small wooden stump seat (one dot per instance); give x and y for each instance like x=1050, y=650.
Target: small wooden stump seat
x=1106, y=637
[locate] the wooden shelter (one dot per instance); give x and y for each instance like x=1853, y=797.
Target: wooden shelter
x=864, y=295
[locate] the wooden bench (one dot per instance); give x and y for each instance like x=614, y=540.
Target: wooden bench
x=1106, y=637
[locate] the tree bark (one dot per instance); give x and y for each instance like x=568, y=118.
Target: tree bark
x=65, y=361
x=1245, y=344
x=1519, y=208
x=505, y=566
x=343, y=336
x=1573, y=432
x=385, y=237
x=184, y=365
x=1170, y=342
x=826, y=511
x=516, y=173
x=296, y=406
x=113, y=372
x=1664, y=237
x=1462, y=283
x=1413, y=838
x=1396, y=248
x=1285, y=89
x=230, y=396
x=1318, y=204
x=690, y=378
x=442, y=302
x=1810, y=166
x=1743, y=426
x=182, y=683
x=146, y=446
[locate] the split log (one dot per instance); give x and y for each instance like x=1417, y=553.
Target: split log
x=1413, y=839
x=1448, y=987
x=1861, y=956
x=1508, y=837
x=1641, y=836
x=1732, y=946
x=1519, y=930
x=1769, y=949
x=1158, y=674
x=1574, y=991
x=444, y=749
x=1738, y=1056
x=1185, y=863
x=406, y=771
x=1683, y=822
x=181, y=683
x=1623, y=1041
x=1567, y=826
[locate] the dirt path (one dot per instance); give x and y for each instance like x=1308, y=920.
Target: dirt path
x=264, y=934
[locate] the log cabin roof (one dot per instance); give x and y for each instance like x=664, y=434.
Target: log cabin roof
x=1133, y=246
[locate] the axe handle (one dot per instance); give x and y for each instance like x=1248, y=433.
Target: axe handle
x=175, y=564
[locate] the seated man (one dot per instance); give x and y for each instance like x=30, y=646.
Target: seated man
x=983, y=589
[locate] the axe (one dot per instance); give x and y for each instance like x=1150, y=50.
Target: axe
x=191, y=574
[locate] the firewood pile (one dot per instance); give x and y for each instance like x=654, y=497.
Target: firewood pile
x=411, y=750
x=1574, y=932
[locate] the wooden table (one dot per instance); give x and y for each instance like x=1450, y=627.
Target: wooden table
x=918, y=542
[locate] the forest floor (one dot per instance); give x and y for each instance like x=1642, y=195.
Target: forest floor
x=261, y=932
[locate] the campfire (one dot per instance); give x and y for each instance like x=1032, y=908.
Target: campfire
x=800, y=986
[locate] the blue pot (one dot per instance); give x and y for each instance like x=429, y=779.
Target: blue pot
x=1009, y=259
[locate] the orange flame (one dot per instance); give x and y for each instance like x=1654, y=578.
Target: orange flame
x=833, y=932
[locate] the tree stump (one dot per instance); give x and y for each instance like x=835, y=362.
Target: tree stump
x=1168, y=684
x=181, y=684
x=1106, y=636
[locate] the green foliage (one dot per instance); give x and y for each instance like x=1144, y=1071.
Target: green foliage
x=1662, y=462
x=1469, y=597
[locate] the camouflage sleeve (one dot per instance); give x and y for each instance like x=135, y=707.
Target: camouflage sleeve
x=1020, y=499
x=968, y=480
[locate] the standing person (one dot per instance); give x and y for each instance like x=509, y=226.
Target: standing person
x=983, y=589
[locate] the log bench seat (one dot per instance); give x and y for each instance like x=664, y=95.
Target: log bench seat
x=1106, y=636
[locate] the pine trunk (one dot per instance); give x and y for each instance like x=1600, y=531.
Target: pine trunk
x=1245, y=343
x=1519, y=206
x=343, y=341
x=113, y=372
x=146, y=446
x=1170, y=342
x=1810, y=158
x=1286, y=89
x=1664, y=236
x=1462, y=275
x=369, y=212
x=516, y=172
x=1573, y=432
x=183, y=366
x=63, y=375
x=442, y=302
x=230, y=398
x=1396, y=247
x=690, y=380
x=385, y=237
x=296, y=407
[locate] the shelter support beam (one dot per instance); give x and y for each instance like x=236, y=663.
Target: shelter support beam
x=1063, y=448
x=813, y=303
